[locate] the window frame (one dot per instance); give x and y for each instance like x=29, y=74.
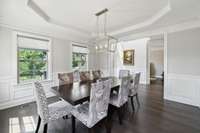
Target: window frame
x=82, y=67
x=15, y=58
x=18, y=61
x=87, y=54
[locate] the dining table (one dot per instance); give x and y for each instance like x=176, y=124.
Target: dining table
x=79, y=92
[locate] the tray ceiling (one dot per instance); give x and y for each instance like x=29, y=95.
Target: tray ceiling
x=76, y=17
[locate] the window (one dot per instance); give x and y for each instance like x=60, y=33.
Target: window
x=33, y=64
x=79, y=60
x=33, y=59
x=80, y=57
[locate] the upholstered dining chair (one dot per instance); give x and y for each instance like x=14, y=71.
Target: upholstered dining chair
x=123, y=73
x=65, y=78
x=120, y=98
x=96, y=110
x=85, y=76
x=97, y=74
x=49, y=112
x=133, y=89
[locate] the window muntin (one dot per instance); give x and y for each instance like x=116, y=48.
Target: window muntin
x=32, y=64
x=79, y=60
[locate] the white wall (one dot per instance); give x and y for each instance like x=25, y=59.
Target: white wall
x=183, y=63
x=5, y=52
x=140, y=65
x=62, y=55
x=12, y=94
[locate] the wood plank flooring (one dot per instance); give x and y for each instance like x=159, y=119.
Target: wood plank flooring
x=155, y=115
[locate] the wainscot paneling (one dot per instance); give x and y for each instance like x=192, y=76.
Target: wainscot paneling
x=183, y=88
x=12, y=94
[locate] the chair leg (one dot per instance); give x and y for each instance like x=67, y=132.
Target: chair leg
x=119, y=115
x=45, y=128
x=132, y=104
x=73, y=124
x=107, y=124
x=65, y=117
x=38, y=125
x=91, y=130
x=137, y=100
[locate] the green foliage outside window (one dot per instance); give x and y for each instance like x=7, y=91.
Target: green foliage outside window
x=79, y=60
x=32, y=64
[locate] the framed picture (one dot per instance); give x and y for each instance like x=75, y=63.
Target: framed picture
x=128, y=58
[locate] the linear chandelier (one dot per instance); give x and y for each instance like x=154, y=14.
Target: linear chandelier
x=103, y=41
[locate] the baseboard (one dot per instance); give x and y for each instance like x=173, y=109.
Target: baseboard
x=159, y=77
x=180, y=100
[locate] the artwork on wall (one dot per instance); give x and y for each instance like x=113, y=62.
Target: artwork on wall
x=128, y=57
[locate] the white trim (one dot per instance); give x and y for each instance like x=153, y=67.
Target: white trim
x=21, y=94
x=146, y=23
x=169, y=29
x=14, y=55
x=158, y=76
x=183, y=76
x=177, y=83
x=165, y=65
x=20, y=101
x=59, y=35
x=87, y=58
x=34, y=7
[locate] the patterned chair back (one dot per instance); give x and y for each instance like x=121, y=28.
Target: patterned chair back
x=97, y=74
x=65, y=78
x=123, y=73
x=99, y=101
x=76, y=76
x=137, y=81
x=42, y=104
x=134, y=84
x=85, y=76
x=123, y=91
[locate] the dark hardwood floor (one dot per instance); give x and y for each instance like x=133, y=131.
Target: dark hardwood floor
x=155, y=115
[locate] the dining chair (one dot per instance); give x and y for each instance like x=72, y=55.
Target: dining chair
x=85, y=76
x=123, y=73
x=133, y=89
x=76, y=76
x=120, y=98
x=49, y=112
x=97, y=108
x=65, y=78
x=97, y=74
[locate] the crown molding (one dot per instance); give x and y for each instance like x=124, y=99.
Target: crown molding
x=33, y=6
x=165, y=10
x=167, y=29
x=67, y=37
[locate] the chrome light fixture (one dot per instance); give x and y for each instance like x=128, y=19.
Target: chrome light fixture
x=104, y=42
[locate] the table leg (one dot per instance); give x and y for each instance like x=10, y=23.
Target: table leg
x=73, y=124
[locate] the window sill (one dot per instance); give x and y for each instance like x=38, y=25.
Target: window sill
x=31, y=82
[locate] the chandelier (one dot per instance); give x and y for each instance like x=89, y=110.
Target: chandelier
x=103, y=41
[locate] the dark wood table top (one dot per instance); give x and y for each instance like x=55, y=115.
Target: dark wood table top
x=79, y=92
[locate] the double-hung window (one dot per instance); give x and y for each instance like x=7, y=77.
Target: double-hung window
x=79, y=57
x=33, y=59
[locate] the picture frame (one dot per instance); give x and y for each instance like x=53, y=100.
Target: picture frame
x=128, y=57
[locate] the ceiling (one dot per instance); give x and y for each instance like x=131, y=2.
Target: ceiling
x=75, y=18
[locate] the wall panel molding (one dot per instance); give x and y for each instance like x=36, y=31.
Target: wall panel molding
x=183, y=88
x=13, y=95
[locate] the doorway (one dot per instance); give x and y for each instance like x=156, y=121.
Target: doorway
x=156, y=59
